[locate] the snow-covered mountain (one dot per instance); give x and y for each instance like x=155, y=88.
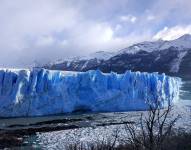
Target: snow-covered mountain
x=78, y=63
x=181, y=43
x=143, y=46
x=172, y=57
x=100, y=55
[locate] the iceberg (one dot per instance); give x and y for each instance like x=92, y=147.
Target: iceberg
x=39, y=92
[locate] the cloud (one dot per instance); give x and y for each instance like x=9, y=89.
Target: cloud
x=118, y=27
x=47, y=30
x=151, y=17
x=45, y=41
x=27, y=25
x=128, y=18
x=173, y=32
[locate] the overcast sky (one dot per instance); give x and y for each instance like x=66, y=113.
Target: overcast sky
x=44, y=30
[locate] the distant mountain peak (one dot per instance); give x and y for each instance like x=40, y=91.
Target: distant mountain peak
x=185, y=37
x=181, y=43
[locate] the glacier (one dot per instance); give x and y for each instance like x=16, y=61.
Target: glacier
x=39, y=92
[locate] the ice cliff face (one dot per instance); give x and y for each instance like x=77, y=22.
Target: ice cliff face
x=43, y=92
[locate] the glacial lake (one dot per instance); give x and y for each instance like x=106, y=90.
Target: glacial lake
x=53, y=132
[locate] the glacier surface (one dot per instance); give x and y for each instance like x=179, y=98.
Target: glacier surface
x=39, y=92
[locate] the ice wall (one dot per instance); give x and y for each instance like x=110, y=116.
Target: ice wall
x=40, y=92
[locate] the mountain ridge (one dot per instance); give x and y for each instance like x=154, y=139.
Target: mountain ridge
x=145, y=56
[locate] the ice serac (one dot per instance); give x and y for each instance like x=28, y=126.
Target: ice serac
x=41, y=92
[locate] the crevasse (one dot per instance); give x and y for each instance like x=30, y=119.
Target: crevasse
x=39, y=92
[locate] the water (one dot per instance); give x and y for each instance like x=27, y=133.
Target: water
x=186, y=90
x=54, y=132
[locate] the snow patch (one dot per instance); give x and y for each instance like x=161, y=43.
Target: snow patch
x=177, y=61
